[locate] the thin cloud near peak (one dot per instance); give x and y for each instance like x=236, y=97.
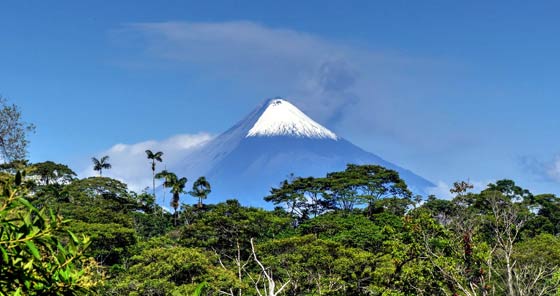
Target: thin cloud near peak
x=129, y=162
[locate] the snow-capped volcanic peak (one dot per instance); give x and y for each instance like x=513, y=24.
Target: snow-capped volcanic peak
x=281, y=118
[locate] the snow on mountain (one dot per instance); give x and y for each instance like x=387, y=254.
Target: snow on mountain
x=273, y=141
x=281, y=118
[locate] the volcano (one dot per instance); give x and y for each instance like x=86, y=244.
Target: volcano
x=271, y=143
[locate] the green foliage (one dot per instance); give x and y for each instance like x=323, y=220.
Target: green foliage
x=369, y=183
x=101, y=164
x=291, y=196
x=149, y=225
x=547, y=218
x=509, y=189
x=415, y=248
x=154, y=157
x=543, y=250
x=223, y=226
x=49, y=172
x=109, y=241
x=36, y=259
x=317, y=266
x=358, y=185
x=173, y=270
x=100, y=189
x=106, y=211
x=354, y=232
x=201, y=188
x=176, y=185
x=440, y=209
x=13, y=132
x=166, y=176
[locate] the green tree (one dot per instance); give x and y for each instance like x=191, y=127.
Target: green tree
x=427, y=258
x=201, y=188
x=510, y=190
x=14, y=166
x=537, y=265
x=224, y=226
x=379, y=183
x=169, y=269
x=13, y=132
x=36, y=257
x=303, y=197
x=177, y=187
x=154, y=157
x=344, y=190
x=100, y=190
x=50, y=172
x=546, y=208
x=321, y=267
x=168, y=179
x=17, y=167
x=440, y=209
x=351, y=229
x=103, y=209
x=366, y=184
x=290, y=197
x=101, y=164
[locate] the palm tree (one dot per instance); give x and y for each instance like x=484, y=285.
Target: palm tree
x=101, y=164
x=154, y=157
x=168, y=179
x=177, y=188
x=201, y=189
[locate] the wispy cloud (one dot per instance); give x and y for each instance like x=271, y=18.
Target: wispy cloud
x=441, y=190
x=347, y=87
x=548, y=170
x=129, y=162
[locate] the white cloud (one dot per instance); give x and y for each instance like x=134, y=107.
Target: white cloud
x=311, y=70
x=232, y=43
x=441, y=190
x=130, y=165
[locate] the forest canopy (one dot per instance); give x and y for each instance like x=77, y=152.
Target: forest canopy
x=353, y=232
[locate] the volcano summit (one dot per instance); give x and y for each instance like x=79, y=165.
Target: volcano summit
x=281, y=118
x=272, y=142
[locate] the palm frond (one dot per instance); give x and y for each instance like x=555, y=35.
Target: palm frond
x=162, y=174
x=158, y=155
x=201, y=185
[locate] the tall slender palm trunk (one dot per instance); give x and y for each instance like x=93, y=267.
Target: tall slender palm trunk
x=154, y=184
x=163, y=202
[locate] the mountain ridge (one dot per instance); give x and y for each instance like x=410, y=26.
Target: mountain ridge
x=245, y=165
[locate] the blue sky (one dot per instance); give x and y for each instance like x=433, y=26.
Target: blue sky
x=452, y=90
